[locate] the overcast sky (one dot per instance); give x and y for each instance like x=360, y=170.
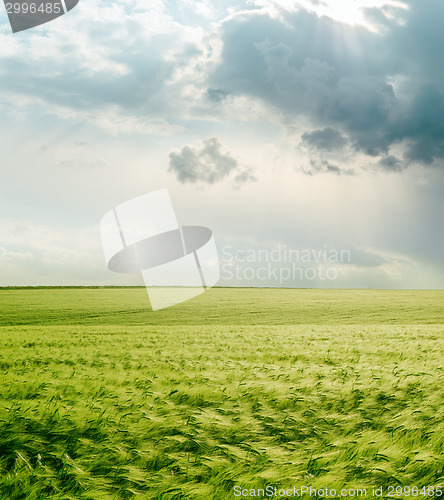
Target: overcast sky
x=313, y=126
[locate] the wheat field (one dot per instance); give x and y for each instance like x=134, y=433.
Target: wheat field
x=224, y=396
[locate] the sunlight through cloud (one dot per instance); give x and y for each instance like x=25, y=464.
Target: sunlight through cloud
x=350, y=12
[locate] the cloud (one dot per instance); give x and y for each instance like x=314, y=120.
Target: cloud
x=328, y=139
x=244, y=176
x=325, y=148
x=156, y=66
x=422, y=127
x=391, y=164
x=324, y=166
x=383, y=89
x=123, y=67
x=217, y=95
x=163, y=61
x=207, y=164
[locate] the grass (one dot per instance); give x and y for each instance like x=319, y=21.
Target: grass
x=101, y=398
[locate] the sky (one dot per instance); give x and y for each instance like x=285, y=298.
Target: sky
x=309, y=136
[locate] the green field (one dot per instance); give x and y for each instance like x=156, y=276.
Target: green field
x=101, y=398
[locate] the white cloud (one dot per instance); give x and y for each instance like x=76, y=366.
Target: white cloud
x=123, y=66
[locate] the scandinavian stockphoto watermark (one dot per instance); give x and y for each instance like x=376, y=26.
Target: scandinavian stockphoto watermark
x=25, y=14
x=283, y=266
x=143, y=235
x=325, y=492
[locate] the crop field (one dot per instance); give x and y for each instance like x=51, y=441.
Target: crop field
x=223, y=396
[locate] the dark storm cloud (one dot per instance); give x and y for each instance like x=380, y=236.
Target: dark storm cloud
x=292, y=64
x=422, y=126
x=328, y=139
x=380, y=89
x=208, y=164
